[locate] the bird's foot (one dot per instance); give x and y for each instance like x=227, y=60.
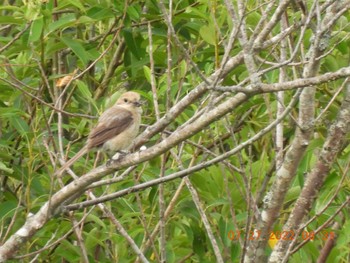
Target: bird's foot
x=117, y=156
x=120, y=154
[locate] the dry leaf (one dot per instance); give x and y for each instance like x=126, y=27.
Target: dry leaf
x=63, y=81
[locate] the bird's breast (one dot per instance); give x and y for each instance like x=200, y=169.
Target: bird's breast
x=122, y=141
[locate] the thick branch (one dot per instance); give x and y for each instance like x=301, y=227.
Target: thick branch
x=333, y=145
x=288, y=85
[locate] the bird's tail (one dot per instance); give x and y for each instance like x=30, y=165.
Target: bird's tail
x=65, y=166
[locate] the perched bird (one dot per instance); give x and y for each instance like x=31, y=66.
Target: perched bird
x=116, y=129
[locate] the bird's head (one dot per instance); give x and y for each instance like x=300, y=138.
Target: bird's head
x=130, y=98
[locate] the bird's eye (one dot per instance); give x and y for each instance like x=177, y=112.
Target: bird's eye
x=125, y=100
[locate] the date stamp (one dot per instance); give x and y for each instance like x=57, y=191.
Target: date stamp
x=280, y=235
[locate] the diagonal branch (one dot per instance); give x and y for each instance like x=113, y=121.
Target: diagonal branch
x=332, y=146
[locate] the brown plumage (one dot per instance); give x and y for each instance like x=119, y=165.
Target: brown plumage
x=116, y=129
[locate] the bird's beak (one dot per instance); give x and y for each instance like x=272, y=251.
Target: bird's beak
x=138, y=103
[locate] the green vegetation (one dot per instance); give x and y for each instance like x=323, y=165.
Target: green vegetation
x=62, y=63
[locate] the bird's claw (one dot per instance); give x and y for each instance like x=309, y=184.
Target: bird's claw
x=117, y=156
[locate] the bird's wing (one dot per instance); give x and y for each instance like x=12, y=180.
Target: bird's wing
x=111, y=123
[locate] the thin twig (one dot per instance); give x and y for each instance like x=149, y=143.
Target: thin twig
x=45, y=103
x=16, y=37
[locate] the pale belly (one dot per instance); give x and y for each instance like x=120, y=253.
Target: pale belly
x=122, y=142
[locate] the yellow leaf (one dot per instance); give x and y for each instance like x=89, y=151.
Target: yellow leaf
x=272, y=240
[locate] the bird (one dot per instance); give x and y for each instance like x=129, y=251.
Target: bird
x=116, y=129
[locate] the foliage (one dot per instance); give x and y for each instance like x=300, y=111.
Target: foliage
x=106, y=47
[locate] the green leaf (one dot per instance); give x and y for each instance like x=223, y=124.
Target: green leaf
x=253, y=18
x=77, y=48
x=10, y=20
x=4, y=168
x=192, y=12
x=199, y=240
x=331, y=63
x=10, y=112
x=183, y=69
x=10, y=7
x=95, y=219
x=99, y=13
x=83, y=88
x=147, y=72
x=62, y=23
x=68, y=251
x=208, y=34
x=133, y=12
x=93, y=238
x=85, y=20
x=77, y=4
x=20, y=125
x=36, y=29
x=292, y=194
x=131, y=44
x=7, y=207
